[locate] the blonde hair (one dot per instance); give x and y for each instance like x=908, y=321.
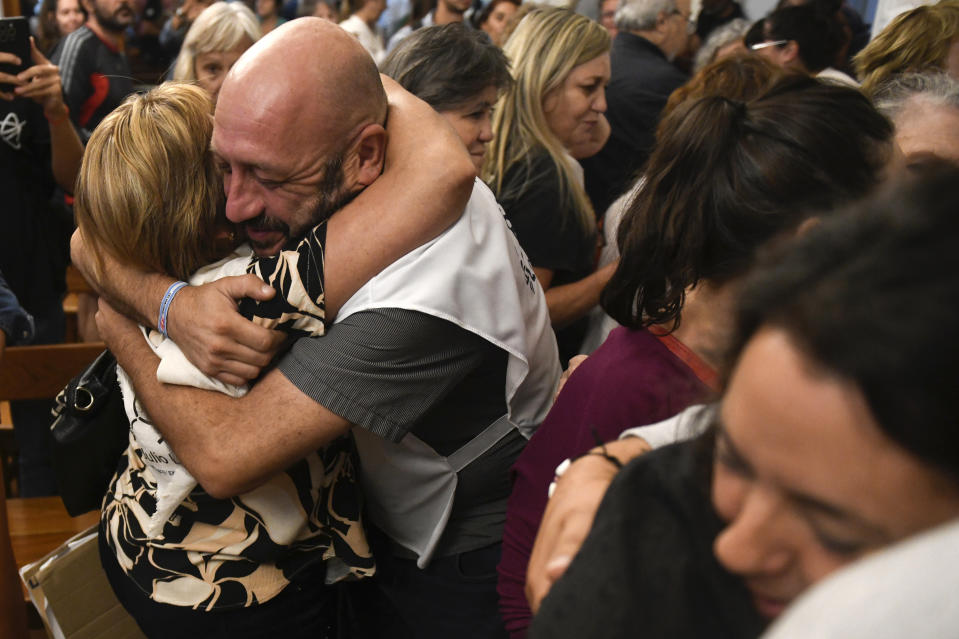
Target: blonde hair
x=915, y=41
x=222, y=26
x=148, y=191
x=545, y=47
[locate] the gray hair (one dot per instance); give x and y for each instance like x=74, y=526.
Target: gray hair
x=719, y=38
x=937, y=88
x=641, y=15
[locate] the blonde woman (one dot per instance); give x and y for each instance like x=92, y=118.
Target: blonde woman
x=552, y=115
x=923, y=39
x=214, y=43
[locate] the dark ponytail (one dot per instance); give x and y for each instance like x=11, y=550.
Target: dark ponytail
x=725, y=177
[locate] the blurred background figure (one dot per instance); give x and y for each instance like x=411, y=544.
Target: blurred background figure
x=58, y=18
x=268, y=11
x=317, y=8
x=723, y=42
x=458, y=72
x=924, y=108
x=362, y=25
x=495, y=16
x=714, y=14
x=806, y=38
x=607, y=16
x=426, y=13
x=175, y=28
x=214, y=43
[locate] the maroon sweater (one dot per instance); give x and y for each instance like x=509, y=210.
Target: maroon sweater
x=633, y=379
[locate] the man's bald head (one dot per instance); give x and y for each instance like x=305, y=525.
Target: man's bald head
x=313, y=70
x=298, y=130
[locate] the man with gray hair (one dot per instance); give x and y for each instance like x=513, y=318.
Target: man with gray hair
x=651, y=34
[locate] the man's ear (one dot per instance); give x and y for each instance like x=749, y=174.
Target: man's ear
x=369, y=153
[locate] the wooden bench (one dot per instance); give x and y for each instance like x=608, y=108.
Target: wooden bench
x=35, y=372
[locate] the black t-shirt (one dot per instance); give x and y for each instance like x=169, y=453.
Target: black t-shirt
x=393, y=372
x=550, y=233
x=33, y=235
x=647, y=567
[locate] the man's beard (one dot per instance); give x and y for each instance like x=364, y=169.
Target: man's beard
x=331, y=197
x=109, y=22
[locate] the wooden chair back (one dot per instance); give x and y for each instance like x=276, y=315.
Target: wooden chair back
x=40, y=372
x=35, y=372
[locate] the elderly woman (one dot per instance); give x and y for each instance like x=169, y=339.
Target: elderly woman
x=458, y=72
x=214, y=43
x=924, y=108
x=552, y=115
x=823, y=449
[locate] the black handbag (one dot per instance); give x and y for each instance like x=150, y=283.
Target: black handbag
x=90, y=432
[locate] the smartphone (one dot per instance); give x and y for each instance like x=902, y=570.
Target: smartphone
x=15, y=39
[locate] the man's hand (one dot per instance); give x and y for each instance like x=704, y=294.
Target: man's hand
x=202, y=320
x=569, y=515
x=205, y=325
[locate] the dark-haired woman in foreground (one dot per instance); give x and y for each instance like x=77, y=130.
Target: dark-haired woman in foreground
x=835, y=437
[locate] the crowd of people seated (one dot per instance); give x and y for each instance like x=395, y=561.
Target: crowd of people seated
x=344, y=250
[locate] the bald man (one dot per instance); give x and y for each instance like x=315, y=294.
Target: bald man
x=441, y=365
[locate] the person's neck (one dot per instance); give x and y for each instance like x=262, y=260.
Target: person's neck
x=444, y=15
x=654, y=37
x=707, y=321
x=369, y=16
x=115, y=37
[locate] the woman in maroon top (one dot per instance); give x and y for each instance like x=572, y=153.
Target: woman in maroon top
x=726, y=177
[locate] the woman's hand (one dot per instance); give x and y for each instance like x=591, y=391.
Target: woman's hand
x=569, y=515
x=574, y=363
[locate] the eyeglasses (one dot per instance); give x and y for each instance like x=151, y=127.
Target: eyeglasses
x=763, y=45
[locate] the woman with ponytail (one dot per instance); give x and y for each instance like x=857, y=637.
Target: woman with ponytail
x=725, y=178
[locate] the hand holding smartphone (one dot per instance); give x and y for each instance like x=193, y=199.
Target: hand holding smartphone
x=14, y=52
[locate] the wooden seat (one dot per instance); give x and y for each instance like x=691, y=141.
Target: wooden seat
x=40, y=524
x=35, y=372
